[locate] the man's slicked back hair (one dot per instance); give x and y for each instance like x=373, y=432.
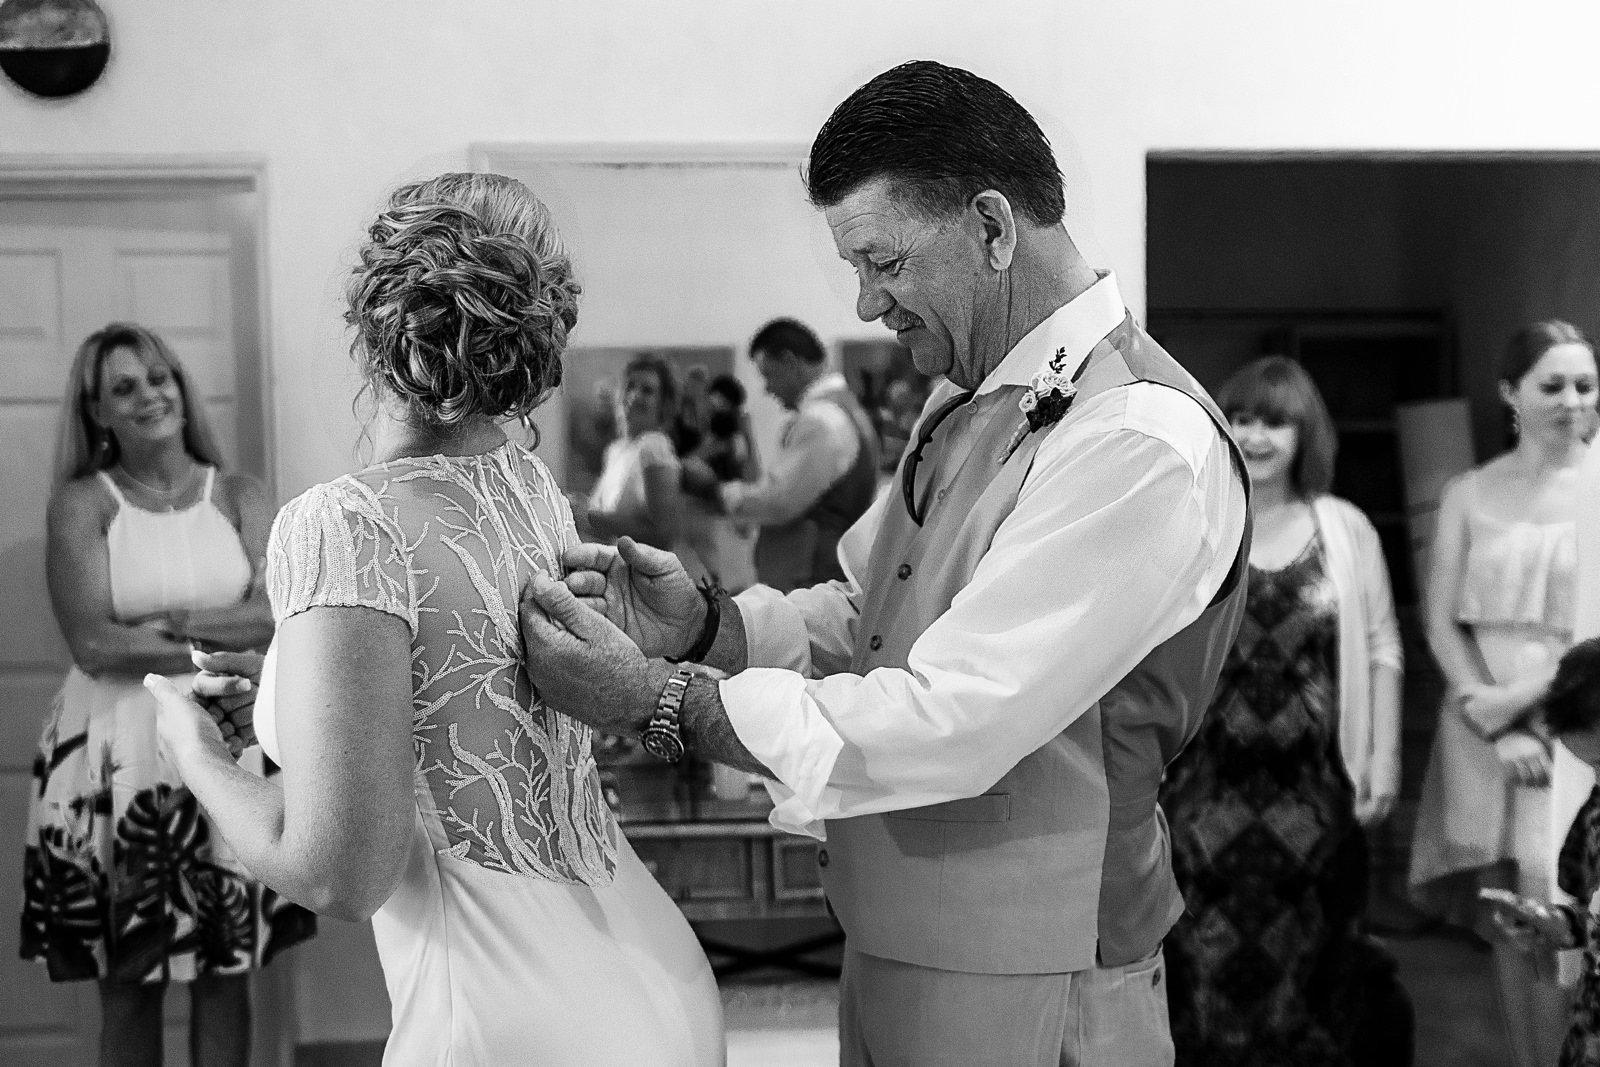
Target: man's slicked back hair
x=788, y=335
x=941, y=135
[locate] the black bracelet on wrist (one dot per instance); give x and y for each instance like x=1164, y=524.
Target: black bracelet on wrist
x=708, y=633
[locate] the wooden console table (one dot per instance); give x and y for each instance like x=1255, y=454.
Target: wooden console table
x=721, y=860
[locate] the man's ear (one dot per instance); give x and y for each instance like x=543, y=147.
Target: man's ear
x=990, y=212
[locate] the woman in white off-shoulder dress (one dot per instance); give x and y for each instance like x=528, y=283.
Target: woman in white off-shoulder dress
x=1498, y=797
x=425, y=783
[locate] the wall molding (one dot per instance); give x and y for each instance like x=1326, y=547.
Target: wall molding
x=509, y=156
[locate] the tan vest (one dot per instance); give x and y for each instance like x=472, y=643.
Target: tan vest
x=1065, y=861
x=805, y=552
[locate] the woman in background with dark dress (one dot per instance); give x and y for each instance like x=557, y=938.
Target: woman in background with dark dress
x=1300, y=749
x=152, y=549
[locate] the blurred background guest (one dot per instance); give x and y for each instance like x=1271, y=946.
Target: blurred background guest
x=897, y=418
x=152, y=551
x=824, y=475
x=594, y=427
x=689, y=421
x=637, y=494
x=1299, y=750
x=726, y=453
x=1499, y=613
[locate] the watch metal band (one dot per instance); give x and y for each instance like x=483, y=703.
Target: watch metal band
x=662, y=736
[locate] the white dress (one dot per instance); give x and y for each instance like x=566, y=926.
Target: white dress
x=524, y=929
x=1516, y=598
x=124, y=878
x=621, y=488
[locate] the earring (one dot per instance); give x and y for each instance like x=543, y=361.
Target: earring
x=1516, y=421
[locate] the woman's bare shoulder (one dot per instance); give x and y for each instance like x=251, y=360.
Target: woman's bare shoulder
x=82, y=504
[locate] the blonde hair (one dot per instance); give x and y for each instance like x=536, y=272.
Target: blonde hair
x=463, y=299
x=83, y=446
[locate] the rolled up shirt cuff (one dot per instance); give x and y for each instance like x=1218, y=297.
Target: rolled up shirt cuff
x=774, y=717
x=774, y=630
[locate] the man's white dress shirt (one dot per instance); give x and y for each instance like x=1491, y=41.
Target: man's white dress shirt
x=1125, y=528
x=819, y=446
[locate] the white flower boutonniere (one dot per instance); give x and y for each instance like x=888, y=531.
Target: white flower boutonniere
x=1047, y=401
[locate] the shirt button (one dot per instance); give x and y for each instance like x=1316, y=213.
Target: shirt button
x=972, y=407
x=876, y=643
x=941, y=494
x=822, y=857
x=904, y=572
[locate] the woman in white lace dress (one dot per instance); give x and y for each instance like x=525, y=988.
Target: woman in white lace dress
x=425, y=784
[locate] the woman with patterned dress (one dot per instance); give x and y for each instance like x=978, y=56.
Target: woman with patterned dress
x=1300, y=749
x=151, y=550
x=1496, y=799
x=424, y=783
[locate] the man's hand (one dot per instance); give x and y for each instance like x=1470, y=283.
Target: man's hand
x=582, y=665
x=643, y=590
x=1525, y=759
x=226, y=688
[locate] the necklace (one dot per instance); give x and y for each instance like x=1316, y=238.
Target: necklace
x=164, y=494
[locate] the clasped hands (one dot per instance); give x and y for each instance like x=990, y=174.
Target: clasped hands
x=1494, y=713
x=219, y=711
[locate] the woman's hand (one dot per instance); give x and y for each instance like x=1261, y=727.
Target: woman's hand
x=1375, y=797
x=1528, y=923
x=185, y=729
x=1525, y=758
x=227, y=685
x=1490, y=709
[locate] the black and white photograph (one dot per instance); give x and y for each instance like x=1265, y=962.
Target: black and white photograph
x=913, y=534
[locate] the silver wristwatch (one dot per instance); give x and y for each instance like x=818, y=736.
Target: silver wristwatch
x=661, y=737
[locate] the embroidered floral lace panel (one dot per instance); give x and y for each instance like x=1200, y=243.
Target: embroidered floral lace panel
x=447, y=544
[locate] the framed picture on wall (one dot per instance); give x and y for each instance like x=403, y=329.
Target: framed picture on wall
x=890, y=387
x=593, y=384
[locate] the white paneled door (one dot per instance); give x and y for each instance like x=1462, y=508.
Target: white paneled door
x=58, y=285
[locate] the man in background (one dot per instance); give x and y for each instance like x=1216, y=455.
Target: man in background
x=825, y=473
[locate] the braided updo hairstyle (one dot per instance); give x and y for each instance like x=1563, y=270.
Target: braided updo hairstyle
x=463, y=299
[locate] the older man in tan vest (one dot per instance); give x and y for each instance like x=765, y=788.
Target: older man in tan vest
x=1030, y=626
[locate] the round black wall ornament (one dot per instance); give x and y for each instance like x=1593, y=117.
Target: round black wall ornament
x=53, y=48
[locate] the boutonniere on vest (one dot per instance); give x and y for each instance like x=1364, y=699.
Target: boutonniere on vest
x=1047, y=401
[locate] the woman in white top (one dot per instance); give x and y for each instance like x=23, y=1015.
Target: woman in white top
x=637, y=494
x=1500, y=612
x=425, y=784
x=152, y=549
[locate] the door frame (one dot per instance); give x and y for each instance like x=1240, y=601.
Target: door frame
x=166, y=177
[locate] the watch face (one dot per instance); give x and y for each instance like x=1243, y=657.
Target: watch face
x=662, y=744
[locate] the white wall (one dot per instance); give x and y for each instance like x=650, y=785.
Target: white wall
x=344, y=99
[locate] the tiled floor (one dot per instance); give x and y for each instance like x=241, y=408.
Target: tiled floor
x=782, y=1023
x=791, y=1023
x=1452, y=990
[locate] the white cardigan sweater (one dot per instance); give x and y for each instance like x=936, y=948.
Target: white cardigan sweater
x=1369, y=635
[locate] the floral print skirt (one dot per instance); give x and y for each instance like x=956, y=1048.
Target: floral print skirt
x=124, y=877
